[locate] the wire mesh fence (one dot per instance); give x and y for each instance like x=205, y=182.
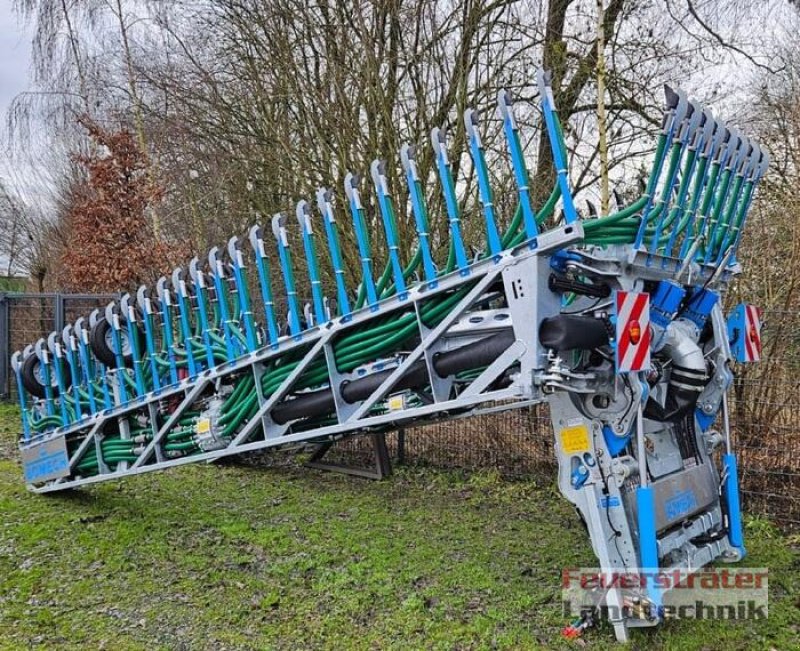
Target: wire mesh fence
x=765, y=410
x=25, y=318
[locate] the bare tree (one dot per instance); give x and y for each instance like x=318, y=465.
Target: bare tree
x=249, y=105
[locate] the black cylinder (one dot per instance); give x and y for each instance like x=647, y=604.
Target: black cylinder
x=318, y=403
x=572, y=331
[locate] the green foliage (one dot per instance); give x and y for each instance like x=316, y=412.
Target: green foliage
x=207, y=557
x=12, y=284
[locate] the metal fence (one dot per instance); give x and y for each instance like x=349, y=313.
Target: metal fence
x=24, y=318
x=765, y=411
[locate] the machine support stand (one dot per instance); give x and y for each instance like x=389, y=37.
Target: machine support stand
x=381, y=468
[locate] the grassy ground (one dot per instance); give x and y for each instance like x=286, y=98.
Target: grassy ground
x=220, y=557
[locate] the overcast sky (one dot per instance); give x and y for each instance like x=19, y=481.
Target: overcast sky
x=15, y=48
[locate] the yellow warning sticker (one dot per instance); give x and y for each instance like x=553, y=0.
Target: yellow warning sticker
x=575, y=439
x=396, y=403
x=203, y=426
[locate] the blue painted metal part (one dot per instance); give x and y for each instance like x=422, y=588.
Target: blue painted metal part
x=16, y=366
x=448, y=189
x=686, y=132
x=87, y=368
x=748, y=170
x=735, y=533
x=100, y=369
x=648, y=545
x=745, y=162
x=579, y=476
x=279, y=230
x=107, y=401
x=182, y=295
x=711, y=150
x=199, y=281
x=362, y=238
x=549, y=110
x=237, y=262
x=44, y=358
x=701, y=136
x=729, y=141
x=719, y=191
x=146, y=307
x=130, y=321
x=262, y=266
x=304, y=218
x=484, y=189
x=70, y=352
x=760, y=171
x=112, y=316
x=721, y=201
x=378, y=170
x=409, y=160
x=677, y=105
x=328, y=218
x=665, y=302
x=504, y=108
x=700, y=305
x=56, y=355
x=615, y=444
x=703, y=419
x=165, y=302
x=218, y=277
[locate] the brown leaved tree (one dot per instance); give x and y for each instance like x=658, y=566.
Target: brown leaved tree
x=109, y=246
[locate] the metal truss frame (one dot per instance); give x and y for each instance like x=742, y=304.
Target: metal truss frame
x=318, y=343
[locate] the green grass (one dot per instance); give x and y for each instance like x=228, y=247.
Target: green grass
x=222, y=557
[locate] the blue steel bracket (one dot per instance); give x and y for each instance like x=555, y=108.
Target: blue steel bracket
x=362, y=238
x=199, y=282
x=303, y=214
x=127, y=310
x=506, y=111
x=735, y=530
x=409, y=160
x=329, y=218
x=54, y=346
x=279, y=231
x=262, y=266
x=378, y=171
x=217, y=272
x=146, y=307
x=165, y=302
x=544, y=81
x=484, y=188
x=439, y=143
x=184, y=306
x=71, y=355
x=16, y=366
x=237, y=263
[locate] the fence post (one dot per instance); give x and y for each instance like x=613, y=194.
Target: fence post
x=5, y=359
x=59, y=312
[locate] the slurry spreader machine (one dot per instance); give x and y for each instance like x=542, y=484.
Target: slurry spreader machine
x=615, y=322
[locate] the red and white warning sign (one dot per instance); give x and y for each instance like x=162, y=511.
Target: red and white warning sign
x=752, y=330
x=744, y=332
x=633, y=331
